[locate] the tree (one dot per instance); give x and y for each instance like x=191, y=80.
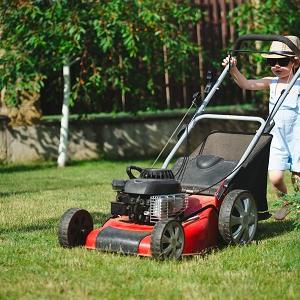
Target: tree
x=120, y=44
x=268, y=17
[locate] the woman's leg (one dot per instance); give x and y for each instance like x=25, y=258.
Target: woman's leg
x=296, y=181
x=277, y=179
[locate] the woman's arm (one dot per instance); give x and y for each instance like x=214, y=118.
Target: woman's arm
x=242, y=81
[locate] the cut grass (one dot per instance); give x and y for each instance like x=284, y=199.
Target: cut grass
x=34, y=266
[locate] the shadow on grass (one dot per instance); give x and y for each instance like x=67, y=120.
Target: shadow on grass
x=265, y=231
x=43, y=165
x=47, y=224
x=43, y=225
x=274, y=228
x=55, y=187
x=8, y=194
x=6, y=169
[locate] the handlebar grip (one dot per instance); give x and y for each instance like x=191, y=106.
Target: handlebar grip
x=265, y=37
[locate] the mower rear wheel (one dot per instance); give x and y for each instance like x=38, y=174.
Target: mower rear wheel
x=74, y=226
x=238, y=217
x=167, y=240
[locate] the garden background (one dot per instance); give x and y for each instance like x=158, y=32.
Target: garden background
x=129, y=55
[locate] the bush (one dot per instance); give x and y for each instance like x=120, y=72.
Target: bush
x=119, y=43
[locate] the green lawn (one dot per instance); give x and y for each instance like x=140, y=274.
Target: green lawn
x=34, y=266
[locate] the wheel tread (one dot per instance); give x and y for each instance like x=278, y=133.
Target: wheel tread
x=63, y=228
x=225, y=213
x=155, y=239
x=155, y=244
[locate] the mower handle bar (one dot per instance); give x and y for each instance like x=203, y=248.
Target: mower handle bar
x=265, y=37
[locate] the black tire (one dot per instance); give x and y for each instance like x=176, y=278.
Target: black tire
x=238, y=217
x=74, y=226
x=167, y=240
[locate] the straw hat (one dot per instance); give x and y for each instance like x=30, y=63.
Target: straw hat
x=281, y=48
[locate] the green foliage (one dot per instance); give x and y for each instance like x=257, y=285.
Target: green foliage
x=119, y=43
x=267, y=17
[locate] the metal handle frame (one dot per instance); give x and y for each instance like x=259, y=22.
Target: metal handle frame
x=221, y=117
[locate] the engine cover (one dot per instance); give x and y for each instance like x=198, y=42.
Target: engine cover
x=141, y=186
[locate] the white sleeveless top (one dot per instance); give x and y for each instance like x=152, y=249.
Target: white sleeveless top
x=291, y=101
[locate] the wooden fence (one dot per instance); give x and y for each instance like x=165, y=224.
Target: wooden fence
x=212, y=34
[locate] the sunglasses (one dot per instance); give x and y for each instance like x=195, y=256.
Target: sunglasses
x=283, y=62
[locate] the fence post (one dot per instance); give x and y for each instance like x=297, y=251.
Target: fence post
x=167, y=79
x=63, y=142
x=123, y=96
x=200, y=49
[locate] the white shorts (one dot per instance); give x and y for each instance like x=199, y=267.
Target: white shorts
x=285, y=145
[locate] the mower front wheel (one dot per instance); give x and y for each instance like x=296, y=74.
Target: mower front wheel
x=238, y=217
x=74, y=226
x=167, y=240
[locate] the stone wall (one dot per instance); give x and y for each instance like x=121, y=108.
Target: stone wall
x=119, y=138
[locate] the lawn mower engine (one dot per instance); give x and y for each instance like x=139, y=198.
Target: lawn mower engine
x=152, y=197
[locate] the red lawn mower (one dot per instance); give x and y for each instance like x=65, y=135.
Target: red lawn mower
x=218, y=190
